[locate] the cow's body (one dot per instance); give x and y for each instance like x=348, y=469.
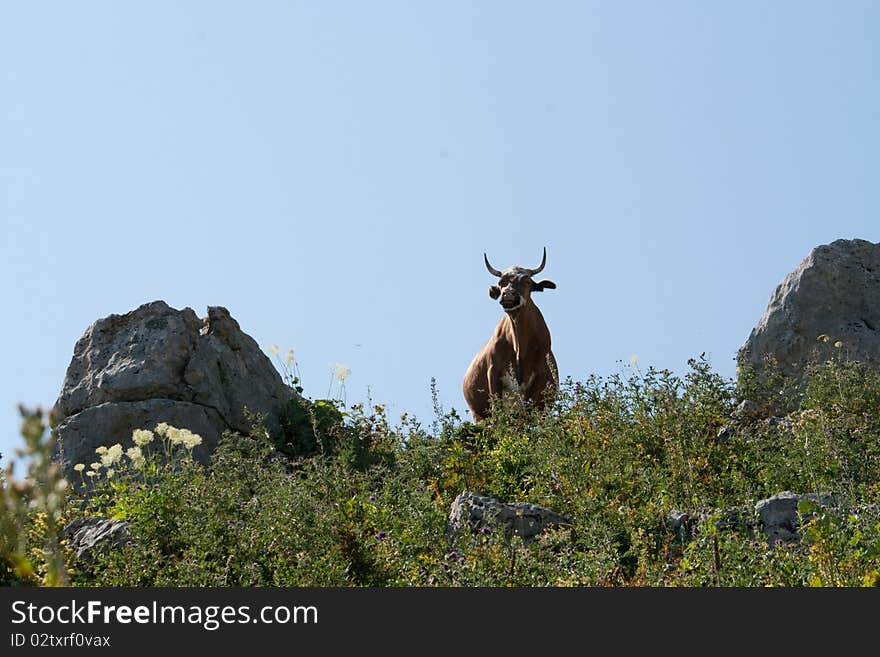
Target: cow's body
x=518, y=356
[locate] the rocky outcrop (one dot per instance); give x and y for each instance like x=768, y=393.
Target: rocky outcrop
x=829, y=306
x=157, y=364
x=472, y=511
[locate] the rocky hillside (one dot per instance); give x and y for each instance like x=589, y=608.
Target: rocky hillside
x=642, y=478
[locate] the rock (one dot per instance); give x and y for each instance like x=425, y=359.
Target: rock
x=776, y=516
x=744, y=415
x=747, y=411
x=734, y=518
x=85, y=536
x=470, y=510
x=132, y=357
x=833, y=292
x=781, y=422
x=229, y=372
x=113, y=422
x=157, y=364
x=779, y=515
x=680, y=523
x=683, y=524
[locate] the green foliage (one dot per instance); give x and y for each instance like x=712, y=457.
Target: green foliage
x=322, y=427
x=31, y=511
x=347, y=498
x=768, y=386
x=310, y=427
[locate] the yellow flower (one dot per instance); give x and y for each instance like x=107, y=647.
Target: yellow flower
x=142, y=437
x=110, y=472
x=274, y=349
x=823, y=338
x=101, y=450
x=633, y=360
x=95, y=466
x=79, y=467
x=91, y=473
x=162, y=428
x=289, y=358
x=838, y=344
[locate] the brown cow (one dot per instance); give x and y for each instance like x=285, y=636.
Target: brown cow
x=517, y=356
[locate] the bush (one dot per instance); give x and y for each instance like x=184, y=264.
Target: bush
x=346, y=498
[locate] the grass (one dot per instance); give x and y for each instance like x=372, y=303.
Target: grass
x=349, y=498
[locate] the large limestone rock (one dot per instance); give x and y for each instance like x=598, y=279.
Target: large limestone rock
x=834, y=292
x=472, y=511
x=157, y=364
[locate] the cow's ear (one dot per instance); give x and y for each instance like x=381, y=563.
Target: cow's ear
x=540, y=286
x=494, y=291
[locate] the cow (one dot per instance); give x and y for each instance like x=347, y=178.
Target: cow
x=517, y=357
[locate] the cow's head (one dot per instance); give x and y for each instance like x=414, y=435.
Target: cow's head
x=515, y=284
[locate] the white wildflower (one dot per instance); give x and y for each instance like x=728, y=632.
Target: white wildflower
x=175, y=435
x=136, y=457
x=190, y=439
x=142, y=437
x=342, y=372
x=112, y=455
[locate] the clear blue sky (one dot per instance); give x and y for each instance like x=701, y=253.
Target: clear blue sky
x=332, y=173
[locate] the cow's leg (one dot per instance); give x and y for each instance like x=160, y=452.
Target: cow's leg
x=494, y=374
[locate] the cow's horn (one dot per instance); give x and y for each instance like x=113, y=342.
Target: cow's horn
x=532, y=272
x=491, y=269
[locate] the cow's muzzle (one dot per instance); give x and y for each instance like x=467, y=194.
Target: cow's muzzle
x=510, y=301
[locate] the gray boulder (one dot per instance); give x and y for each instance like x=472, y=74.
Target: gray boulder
x=779, y=515
x=472, y=511
x=86, y=536
x=157, y=364
x=833, y=292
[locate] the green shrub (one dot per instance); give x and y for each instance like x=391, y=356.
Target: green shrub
x=348, y=498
